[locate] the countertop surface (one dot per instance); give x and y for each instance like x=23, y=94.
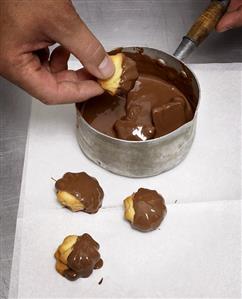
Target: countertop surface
x=158, y=24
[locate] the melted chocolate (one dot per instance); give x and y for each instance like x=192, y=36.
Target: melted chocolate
x=150, y=95
x=103, y=111
x=150, y=210
x=171, y=116
x=161, y=100
x=84, y=187
x=83, y=258
x=182, y=79
x=129, y=75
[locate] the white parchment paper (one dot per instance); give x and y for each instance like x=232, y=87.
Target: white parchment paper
x=195, y=253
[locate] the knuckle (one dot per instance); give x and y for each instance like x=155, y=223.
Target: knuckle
x=94, y=52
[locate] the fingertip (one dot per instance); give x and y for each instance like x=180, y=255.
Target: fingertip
x=221, y=28
x=230, y=20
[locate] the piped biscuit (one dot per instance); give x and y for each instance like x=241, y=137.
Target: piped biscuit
x=124, y=77
x=79, y=192
x=145, y=209
x=77, y=256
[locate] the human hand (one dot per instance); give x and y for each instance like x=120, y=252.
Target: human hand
x=232, y=18
x=28, y=28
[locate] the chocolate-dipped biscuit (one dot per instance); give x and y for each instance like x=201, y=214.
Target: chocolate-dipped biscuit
x=145, y=209
x=124, y=77
x=78, y=256
x=79, y=192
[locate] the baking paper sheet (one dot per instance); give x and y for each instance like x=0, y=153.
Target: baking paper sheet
x=195, y=253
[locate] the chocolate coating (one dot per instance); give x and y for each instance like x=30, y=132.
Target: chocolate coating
x=150, y=209
x=83, y=258
x=161, y=100
x=129, y=75
x=84, y=187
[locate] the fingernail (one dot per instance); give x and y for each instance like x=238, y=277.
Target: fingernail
x=106, y=67
x=225, y=29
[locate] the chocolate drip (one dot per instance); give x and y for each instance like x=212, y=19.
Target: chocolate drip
x=150, y=209
x=70, y=274
x=83, y=258
x=99, y=264
x=84, y=187
x=129, y=75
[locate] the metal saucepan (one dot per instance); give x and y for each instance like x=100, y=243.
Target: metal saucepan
x=152, y=157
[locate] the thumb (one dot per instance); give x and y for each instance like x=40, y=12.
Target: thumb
x=72, y=33
x=230, y=20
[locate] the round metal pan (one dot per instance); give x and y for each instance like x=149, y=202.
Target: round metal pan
x=141, y=158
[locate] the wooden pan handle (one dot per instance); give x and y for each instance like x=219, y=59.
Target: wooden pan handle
x=207, y=21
